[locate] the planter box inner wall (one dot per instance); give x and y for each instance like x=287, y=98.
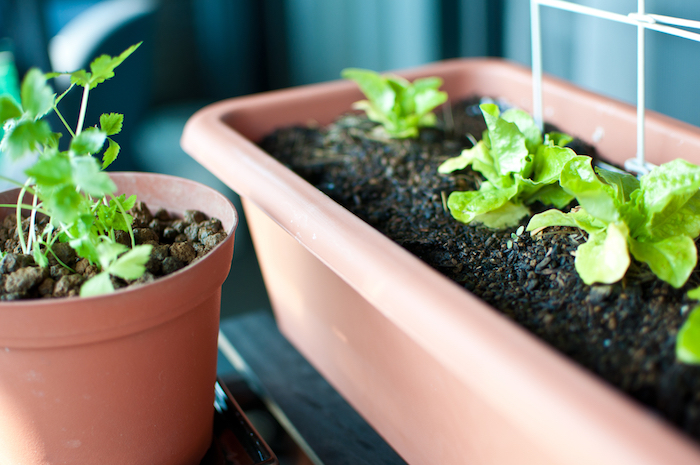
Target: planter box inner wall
x=442, y=376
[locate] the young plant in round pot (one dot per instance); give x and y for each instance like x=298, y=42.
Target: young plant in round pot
x=437, y=371
x=111, y=376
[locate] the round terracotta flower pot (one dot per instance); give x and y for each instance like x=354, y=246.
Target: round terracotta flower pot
x=124, y=378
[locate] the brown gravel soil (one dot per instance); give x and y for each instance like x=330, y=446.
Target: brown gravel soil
x=176, y=242
x=624, y=332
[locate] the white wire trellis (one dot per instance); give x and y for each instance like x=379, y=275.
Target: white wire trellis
x=640, y=19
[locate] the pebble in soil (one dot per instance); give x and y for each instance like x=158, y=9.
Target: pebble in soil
x=624, y=332
x=177, y=242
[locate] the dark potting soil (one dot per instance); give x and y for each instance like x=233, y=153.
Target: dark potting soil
x=624, y=332
x=177, y=242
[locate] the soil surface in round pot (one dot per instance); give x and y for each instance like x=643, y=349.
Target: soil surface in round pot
x=177, y=241
x=126, y=377
x=624, y=332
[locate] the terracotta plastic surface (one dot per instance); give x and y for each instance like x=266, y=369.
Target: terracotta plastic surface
x=442, y=376
x=126, y=378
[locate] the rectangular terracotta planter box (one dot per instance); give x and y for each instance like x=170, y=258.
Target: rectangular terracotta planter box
x=442, y=376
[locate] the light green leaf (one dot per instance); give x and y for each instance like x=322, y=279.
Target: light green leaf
x=53, y=74
x=666, y=190
x=110, y=154
x=25, y=138
x=464, y=159
x=108, y=252
x=694, y=293
x=684, y=221
x=99, y=284
x=623, y=184
x=84, y=242
x=688, y=339
x=550, y=218
x=549, y=161
x=80, y=78
x=63, y=203
x=40, y=258
x=102, y=68
x=8, y=108
x=558, y=138
x=405, y=103
x=671, y=259
x=598, y=198
x=577, y=218
x=53, y=139
x=37, y=96
x=51, y=171
x=377, y=89
x=551, y=194
x=432, y=82
x=507, y=215
x=129, y=203
x=88, y=177
x=526, y=125
x=112, y=216
x=372, y=112
x=132, y=264
x=427, y=100
x=508, y=149
x=604, y=257
x=90, y=140
x=427, y=120
x=111, y=123
x=467, y=205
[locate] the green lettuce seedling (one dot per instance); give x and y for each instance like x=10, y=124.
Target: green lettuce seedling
x=655, y=219
x=520, y=167
x=688, y=338
x=401, y=107
x=69, y=186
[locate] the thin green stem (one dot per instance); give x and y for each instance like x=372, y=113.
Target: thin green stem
x=63, y=120
x=60, y=97
x=50, y=250
x=12, y=181
x=32, y=223
x=58, y=112
x=126, y=220
x=20, y=232
x=23, y=206
x=83, y=109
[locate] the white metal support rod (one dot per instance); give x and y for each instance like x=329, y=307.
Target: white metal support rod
x=586, y=10
x=675, y=21
x=640, y=165
x=649, y=21
x=536, y=44
x=642, y=21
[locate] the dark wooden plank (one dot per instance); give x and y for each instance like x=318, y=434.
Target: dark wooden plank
x=300, y=397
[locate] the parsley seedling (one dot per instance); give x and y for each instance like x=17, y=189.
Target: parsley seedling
x=70, y=187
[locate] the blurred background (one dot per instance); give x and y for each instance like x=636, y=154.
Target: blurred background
x=196, y=52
